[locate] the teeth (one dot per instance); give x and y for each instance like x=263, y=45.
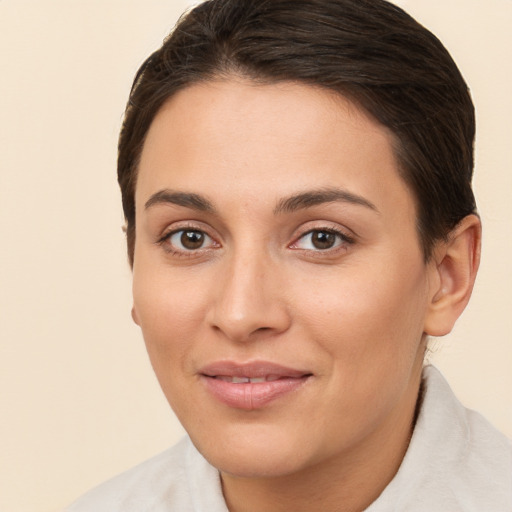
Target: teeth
x=245, y=380
x=240, y=380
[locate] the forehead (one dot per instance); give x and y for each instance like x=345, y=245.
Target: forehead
x=258, y=140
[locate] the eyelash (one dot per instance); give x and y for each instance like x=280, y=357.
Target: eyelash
x=165, y=242
x=342, y=241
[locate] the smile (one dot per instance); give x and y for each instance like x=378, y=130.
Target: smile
x=251, y=386
x=244, y=380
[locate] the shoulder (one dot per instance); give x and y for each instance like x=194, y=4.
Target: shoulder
x=159, y=484
x=456, y=460
x=469, y=459
x=472, y=440
x=484, y=456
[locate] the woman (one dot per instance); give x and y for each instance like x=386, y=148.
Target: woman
x=296, y=181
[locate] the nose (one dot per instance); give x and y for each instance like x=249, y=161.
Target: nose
x=249, y=300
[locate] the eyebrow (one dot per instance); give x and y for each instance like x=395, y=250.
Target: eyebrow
x=312, y=198
x=290, y=204
x=186, y=199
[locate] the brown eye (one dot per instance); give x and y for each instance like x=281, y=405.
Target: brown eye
x=323, y=239
x=192, y=239
x=189, y=240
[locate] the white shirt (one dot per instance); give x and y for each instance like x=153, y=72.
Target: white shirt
x=456, y=462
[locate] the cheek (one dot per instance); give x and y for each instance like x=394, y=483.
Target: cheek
x=373, y=314
x=169, y=314
x=169, y=310
x=369, y=327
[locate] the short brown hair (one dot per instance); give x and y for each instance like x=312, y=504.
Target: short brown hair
x=370, y=51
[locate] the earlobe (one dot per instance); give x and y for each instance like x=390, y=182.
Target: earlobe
x=455, y=267
x=135, y=317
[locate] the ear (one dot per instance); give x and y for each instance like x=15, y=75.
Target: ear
x=135, y=316
x=453, y=275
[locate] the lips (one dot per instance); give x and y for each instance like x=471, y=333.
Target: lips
x=253, y=385
x=245, y=380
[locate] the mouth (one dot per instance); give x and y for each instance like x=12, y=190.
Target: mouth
x=251, y=386
x=245, y=380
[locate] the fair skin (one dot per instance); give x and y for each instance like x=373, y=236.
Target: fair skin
x=273, y=228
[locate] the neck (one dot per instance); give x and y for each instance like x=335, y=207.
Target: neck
x=348, y=482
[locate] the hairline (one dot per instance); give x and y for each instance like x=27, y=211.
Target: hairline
x=228, y=72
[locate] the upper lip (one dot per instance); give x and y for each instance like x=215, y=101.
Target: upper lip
x=253, y=369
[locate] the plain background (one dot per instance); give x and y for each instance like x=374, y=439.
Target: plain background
x=78, y=400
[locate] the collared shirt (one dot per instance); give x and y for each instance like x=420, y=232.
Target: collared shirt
x=456, y=462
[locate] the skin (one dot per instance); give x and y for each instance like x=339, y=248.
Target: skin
x=354, y=315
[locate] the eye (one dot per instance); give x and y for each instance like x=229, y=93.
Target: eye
x=189, y=240
x=321, y=240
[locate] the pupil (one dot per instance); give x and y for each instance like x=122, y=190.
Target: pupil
x=192, y=239
x=323, y=239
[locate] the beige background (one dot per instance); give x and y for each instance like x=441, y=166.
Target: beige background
x=78, y=401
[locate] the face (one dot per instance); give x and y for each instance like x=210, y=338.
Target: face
x=278, y=277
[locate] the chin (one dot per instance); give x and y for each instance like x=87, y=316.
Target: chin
x=260, y=454
x=267, y=465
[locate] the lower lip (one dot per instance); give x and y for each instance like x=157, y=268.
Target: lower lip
x=251, y=395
